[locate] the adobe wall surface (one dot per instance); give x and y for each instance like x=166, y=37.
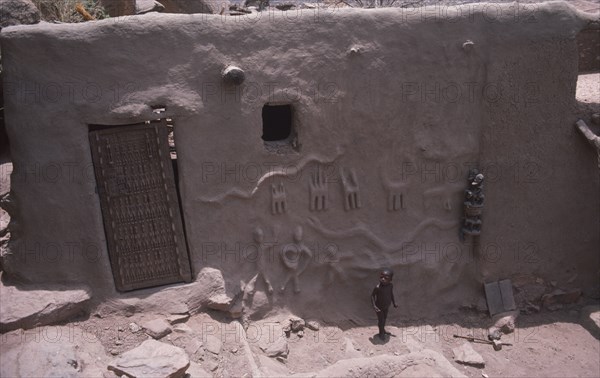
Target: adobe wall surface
x=390, y=97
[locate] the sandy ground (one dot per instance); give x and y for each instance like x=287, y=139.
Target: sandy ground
x=546, y=344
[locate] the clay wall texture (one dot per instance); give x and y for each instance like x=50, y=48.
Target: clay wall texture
x=389, y=96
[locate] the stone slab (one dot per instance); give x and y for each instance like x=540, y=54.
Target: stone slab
x=27, y=307
x=494, y=298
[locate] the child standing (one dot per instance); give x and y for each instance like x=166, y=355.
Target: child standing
x=382, y=297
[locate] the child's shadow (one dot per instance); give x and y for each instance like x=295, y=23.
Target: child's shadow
x=376, y=340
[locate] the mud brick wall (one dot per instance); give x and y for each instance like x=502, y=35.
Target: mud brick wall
x=389, y=111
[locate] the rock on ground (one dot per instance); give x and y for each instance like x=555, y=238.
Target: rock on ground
x=213, y=344
x=503, y=323
x=272, y=368
x=18, y=12
x=211, y=365
x=178, y=318
x=312, y=325
x=528, y=290
x=590, y=319
x=184, y=337
x=119, y=8
x=220, y=302
x=152, y=359
x=20, y=308
x=425, y=363
x=180, y=299
x=134, y=327
x=145, y=6
x=349, y=349
x=297, y=324
x=258, y=305
x=65, y=351
x=190, y=7
x=465, y=354
x=196, y=371
x=559, y=296
x=277, y=347
x=6, y=169
x=293, y=324
x=209, y=291
x=4, y=220
x=157, y=328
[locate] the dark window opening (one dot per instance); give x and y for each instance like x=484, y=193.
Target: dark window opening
x=279, y=129
x=277, y=122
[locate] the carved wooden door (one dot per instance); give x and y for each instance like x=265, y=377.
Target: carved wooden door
x=140, y=207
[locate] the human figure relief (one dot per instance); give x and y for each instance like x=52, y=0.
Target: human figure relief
x=260, y=263
x=291, y=255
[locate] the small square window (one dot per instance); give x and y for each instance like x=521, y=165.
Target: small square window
x=278, y=133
